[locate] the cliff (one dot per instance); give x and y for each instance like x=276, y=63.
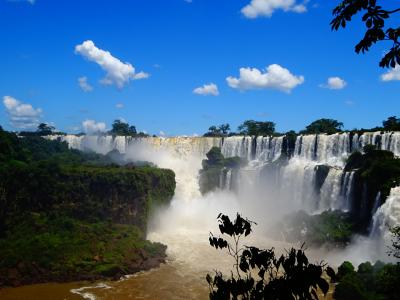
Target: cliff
x=69, y=216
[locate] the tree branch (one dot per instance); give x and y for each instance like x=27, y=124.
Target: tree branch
x=393, y=11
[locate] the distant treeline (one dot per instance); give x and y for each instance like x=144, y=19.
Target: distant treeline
x=248, y=127
x=119, y=128
x=267, y=128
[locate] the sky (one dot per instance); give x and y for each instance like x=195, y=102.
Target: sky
x=176, y=67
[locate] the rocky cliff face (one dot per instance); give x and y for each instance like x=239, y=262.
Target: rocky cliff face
x=79, y=222
x=117, y=194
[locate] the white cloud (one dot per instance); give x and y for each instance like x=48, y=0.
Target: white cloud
x=334, y=83
x=265, y=8
x=84, y=85
x=22, y=115
x=349, y=102
x=119, y=105
x=117, y=72
x=161, y=133
x=91, y=126
x=29, y=1
x=392, y=74
x=207, y=89
x=274, y=77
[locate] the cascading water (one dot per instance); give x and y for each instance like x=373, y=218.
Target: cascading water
x=264, y=190
x=387, y=216
x=296, y=181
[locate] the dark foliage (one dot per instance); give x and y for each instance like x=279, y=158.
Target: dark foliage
x=124, y=129
x=376, y=171
x=55, y=201
x=257, y=128
x=330, y=228
x=259, y=273
x=218, y=131
x=379, y=169
x=374, y=17
x=369, y=282
x=391, y=124
x=43, y=129
x=216, y=166
x=328, y=126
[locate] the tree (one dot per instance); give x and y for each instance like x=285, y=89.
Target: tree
x=258, y=273
x=328, y=126
x=224, y=128
x=374, y=17
x=123, y=128
x=220, y=131
x=45, y=129
x=257, y=128
x=391, y=124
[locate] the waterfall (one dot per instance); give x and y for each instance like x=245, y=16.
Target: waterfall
x=331, y=191
x=347, y=190
x=297, y=184
x=241, y=146
x=228, y=180
x=387, y=215
x=293, y=182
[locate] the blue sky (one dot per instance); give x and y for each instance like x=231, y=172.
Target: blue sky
x=180, y=46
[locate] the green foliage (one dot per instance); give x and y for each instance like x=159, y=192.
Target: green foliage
x=374, y=17
x=259, y=273
x=220, y=131
x=328, y=126
x=257, y=128
x=59, y=208
x=59, y=247
x=344, y=269
x=350, y=288
x=85, y=192
x=45, y=129
x=370, y=282
x=122, y=128
x=391, y=124
x=214, y=166
x=378, y=169
x=330, y=228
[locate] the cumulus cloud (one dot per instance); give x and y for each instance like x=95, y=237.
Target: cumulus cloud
x=22, y=115
x=119, y=105
x=274, y=77
x=265, y=8
x=393, y=74
x=334, y=83
x=84, y=85
x=117, y=72
x=91, y=126
x=207, y=89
